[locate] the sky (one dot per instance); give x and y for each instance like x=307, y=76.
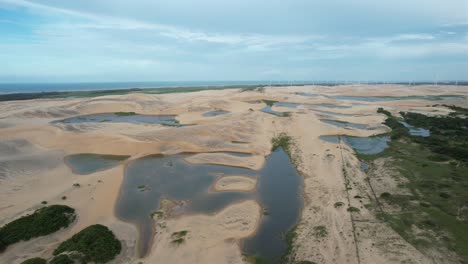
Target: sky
x=175, y=40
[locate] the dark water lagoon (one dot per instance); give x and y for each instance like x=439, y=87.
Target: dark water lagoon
x=416, y=131
x=307, y=94
x=169, y=120
x=150, y=179
x=362, y=145
x=287, y=105
x=333, y=113
x=343, y=124
x=267, y=109
x=90, y=163
x=215, y=113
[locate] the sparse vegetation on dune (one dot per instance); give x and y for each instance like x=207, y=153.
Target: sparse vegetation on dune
x=42, y=222
x=269, y=102
x=34, y=261
x=95, y=243
x=281, y=141
x=125, y=113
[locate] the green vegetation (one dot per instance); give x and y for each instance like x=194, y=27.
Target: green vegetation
x=458, y=110
x=449, y=135
x=269, y=102
x=125, y=113
x=353, y=209
x=383, y=111
x=45, y=95
x=338, y=204
x=281, y=141
x=158, y=214
x=290, y=237
x=436, y=190
x=178, y=237
x=95, y=243
x=255, y=260
x=42, y=222
x=34, y=261
x=320, y=231
x=61, y=259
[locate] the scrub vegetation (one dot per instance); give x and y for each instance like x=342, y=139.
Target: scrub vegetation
x=434, y=212
x=43, y=221
x=34, y=261
x=95, y=243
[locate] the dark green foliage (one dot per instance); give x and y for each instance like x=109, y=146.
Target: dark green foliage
x=458, y=110
x=42, y=222
x=320, y=231
x=338, y=204
x=282, y=140
x=449, y=135
x=269, y=102
x=290, y=237
x=383, y=111
x=255, y=260
x=398, y=129
x=95, y=243
x=61, y=259
x=34, y=261
x=353, y=209
x=125, y=113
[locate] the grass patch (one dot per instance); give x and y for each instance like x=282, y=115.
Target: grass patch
x=179, y=237
x=338, y=204
x=289, y=239
x=43, y=221
x=282, y=140
x=95, y=243
x=62, y=259
x=125, y=113
x=269, y=102
x=158, y=214
x=35, y=261
x=320, y=231
x=255, y=260
x=353, y=209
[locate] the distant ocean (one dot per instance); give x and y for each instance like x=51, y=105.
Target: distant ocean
x=6, y=88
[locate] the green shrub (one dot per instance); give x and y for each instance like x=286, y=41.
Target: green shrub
x=34, y=261
x=383, y=111
x=95, y=243
x=125, y=113
x=338, y=204
x=283, y=141
x=42, y=222
x=353, y=209
x=61, y=259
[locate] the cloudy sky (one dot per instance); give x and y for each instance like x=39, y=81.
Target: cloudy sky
x=175, y=40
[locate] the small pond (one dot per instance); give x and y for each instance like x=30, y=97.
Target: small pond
x=416, y=131
x=267, y=109
x=333, y=113
x=343, y=124
x=215, y=113
x=90, y=163
x=307, y=94
x=169, y=120
x=362, y=145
